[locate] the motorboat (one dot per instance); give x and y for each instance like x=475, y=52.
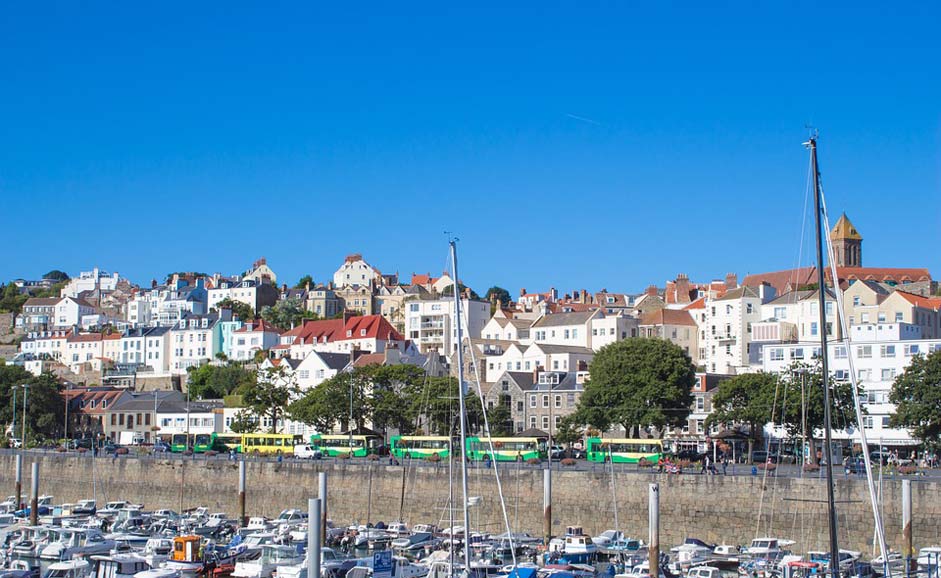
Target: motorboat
x=272, y=556
x=31, y=542
x=118, y=566
x=291, y=516
x=65, y=543
x=398, y=530
x=157, y=551
x=331, y=566
x=607, y=537
x=687, y=555
x=704, y=572
x=929, y=557
x=764, y=547
x=414, y=541
x=84, y=508
x=574, y=547
x=19, y=569
x=7, y=520
x=366, y=536
x=896, y=563
x=848, y=559
x=77, y=568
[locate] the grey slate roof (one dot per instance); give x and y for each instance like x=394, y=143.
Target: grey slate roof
x=558, y=319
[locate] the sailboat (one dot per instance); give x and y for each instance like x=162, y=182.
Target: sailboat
x=822, y=232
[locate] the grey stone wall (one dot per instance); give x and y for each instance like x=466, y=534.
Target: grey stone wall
x=713, y=508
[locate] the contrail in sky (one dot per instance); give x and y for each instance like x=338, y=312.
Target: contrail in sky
x=583, y=119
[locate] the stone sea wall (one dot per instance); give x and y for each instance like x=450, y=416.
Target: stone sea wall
x=714, y=508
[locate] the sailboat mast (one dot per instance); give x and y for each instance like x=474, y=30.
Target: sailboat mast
x=822, y=293
x=461, y=406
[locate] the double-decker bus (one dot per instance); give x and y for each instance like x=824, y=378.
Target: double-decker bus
x=420, y=446
x=506, y=449
x=623, y=450
x=333, y=445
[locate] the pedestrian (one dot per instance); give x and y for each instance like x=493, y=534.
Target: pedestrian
x=660, y=465
x=705, y=464
x=725, y=465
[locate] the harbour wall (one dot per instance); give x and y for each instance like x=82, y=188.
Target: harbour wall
x=721, y=509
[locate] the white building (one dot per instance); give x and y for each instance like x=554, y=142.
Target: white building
x=355, y=271
x=69, y=312
x=725, y=328
x=193, y=342
x=251, y=338
x=147, y=347
x=96, y=279
x=430, y=322
x=880, y=353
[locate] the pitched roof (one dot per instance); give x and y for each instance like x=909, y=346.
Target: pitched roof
x=370, y=359
x=84, y=337
x=558, y=319
x=933, y=303
x=843, y=229
x=375, y=327
x=547, y=348
x=668, y=317
x=334, y=360
x=258, y=325
x=793, y=278
x=697, y=304
x=41, y=302
x=738, y=293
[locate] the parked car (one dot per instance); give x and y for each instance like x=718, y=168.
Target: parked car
x=691, y=455
x=15, y=443
x=307, y=452
x=161, y=447
x=762, y=457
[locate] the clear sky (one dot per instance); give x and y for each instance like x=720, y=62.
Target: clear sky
x=575, y=145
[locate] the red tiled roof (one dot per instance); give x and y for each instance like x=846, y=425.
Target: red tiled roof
x=258, y=325
x=86, y=337
x=376, y=327
x=933, y=303
x=668, y=317
x=697, y=304
x=370, y=359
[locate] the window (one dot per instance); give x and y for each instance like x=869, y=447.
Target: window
x=532, y=401
x=776, y=354
x=863, y=374
x=545, y=401
x=911, y=350
x=885, y=421
x=888, y=374
x=839, y=352
x=867, y=421
x=813, y=328
x=797, y=353
x=700, y=404
x=558, y=401
x=749, y=308
x=898, y=316
x=532, y=421
x=864, y=351
x=780, y=312
x=855, y=300
x=888, y=351
x=566, y=334
x=699, y=426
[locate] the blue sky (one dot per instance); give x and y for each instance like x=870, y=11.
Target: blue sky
x=575, y=145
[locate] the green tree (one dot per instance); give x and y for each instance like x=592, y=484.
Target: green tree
x=392, y=399
x=11, y=300
x=217, y=381
x=916, y=394
x=56, y=275
x=241, y=310
x=303, y=282
x=45, y=407
x=800, y=400
x=439, y=407
x=286, y=313
x=638, y=383
x=500, y=419
x=244, y=421
x=744, y=399
x=569, y=431
x=270, y=393
x=449, y=290
x=333, y=401
x=496, y=293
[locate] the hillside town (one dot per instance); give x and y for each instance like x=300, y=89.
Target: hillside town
x=124, y=354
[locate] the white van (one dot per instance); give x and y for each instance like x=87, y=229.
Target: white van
x=306, y=452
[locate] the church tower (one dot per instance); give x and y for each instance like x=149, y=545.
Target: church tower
x=847, y=243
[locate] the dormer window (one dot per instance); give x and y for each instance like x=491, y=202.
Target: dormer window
x=362, y=333
x=205, y=323
x=349, y=333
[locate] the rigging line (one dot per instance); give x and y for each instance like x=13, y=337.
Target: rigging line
x=774, y=486
x=808, y=187
x=857, y=406
x=496, y=472
x=764, y=476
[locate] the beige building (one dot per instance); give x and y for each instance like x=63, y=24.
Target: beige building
x=676, y=326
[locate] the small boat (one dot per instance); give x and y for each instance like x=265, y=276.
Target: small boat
x=65, y=543
x=331, y=566
x=608, y=537
x=31, y=541
x=929, y=557
x=414, y=541
x=689, y=555
x=272, y=556
x=704, y=572
x=763, y=547
x=77, y=568
x=118, y=566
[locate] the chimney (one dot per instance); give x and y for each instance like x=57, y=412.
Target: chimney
x=522, y=291
x=553, y=294
x=307, y=286
x=153, y=283
x=284, y=287
x=584, y=296
x=682, y=288
x=731, y=281
x=651, y=290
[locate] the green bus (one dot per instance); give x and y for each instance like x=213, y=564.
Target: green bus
x=623, y=450
x=420, y=446
x=357, y=446
x=506, y=449
x=199, y=443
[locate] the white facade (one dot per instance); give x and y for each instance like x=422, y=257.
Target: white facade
x=355, y=271
x=89, y=281
x=430, y=323
x=69, y=312
x=192, y=342
x=251, y=338
x=149, y=347
x=878, y=357
x=725, y=328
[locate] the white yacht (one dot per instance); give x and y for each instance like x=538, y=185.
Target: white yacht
x=77, y=568
x=64, y=543
x=272, y=556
